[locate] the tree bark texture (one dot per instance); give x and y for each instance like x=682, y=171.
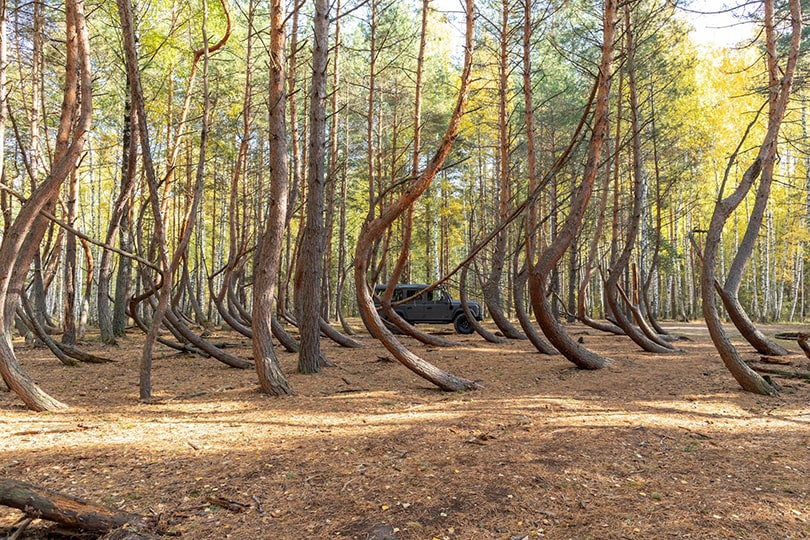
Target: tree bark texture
x=729, y=293
x=129, y=150
x=493, y=296
x=620, y=265
x=309, y=267
x=268, y=257
x=43, y=503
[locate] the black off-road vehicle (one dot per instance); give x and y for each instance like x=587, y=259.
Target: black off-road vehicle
x=436, y=306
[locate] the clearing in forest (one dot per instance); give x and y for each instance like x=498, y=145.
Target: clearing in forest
x=654, y=446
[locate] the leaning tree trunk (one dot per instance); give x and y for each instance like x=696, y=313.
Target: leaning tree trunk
x=373, y=229
x=648, y=307
x=133, y=71
x=590, y=265
x=532, y=219
x=465, y=307
x=72, y=134
x=540, y=271
x=747, y=378
x=407, y=227
x=168, y=266
x=532, y=333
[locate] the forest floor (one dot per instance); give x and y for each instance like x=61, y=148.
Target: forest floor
x=653, y=446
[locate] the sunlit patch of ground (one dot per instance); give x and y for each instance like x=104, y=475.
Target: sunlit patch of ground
x=654, y=446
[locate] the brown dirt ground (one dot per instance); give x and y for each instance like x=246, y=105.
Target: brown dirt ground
x=654, y=446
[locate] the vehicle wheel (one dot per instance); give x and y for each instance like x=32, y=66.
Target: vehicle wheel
x=462, y=325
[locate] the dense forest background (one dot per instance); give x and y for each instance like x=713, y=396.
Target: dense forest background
x=178, y=169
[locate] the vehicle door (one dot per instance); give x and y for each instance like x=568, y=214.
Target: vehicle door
x=411, y=308
x=433, y=308
x=444, y=303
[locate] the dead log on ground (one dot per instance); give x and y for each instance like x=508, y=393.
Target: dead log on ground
x=43, y=503
x=780, y=360
x=789, y=373
x=786, y=335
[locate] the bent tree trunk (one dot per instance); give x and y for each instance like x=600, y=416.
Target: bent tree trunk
x=71, y=136
x=620, y=265
x=522, y=277
x=539, y=342
x=590, y=263
x=747, y=378
x=407, y=225
x=374, y=228
x=540, y=272
x=748, y=330
x=478, y=327
x=730, y=289
x=492, y=290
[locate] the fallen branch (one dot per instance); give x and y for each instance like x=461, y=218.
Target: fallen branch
x=43, y=503
x=227, y=504
x=781, y=360
x=790, y=373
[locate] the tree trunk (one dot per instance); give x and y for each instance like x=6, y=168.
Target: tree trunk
x=590, y=263
x=335, y=185
x=407, y=225
x=5, y=200
x=745, y=376
x=620, y=266
x=268, y=253
x=133, y=71
x=309, y=267
x=493, y=297
x=531, y=331
x=72, y=134
x=532, y=221
x=478, y=327
x=123, y=277
x=540, y=272
x=43, y=503
x=374, y=228
x=731, y=287
x=70, y=270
